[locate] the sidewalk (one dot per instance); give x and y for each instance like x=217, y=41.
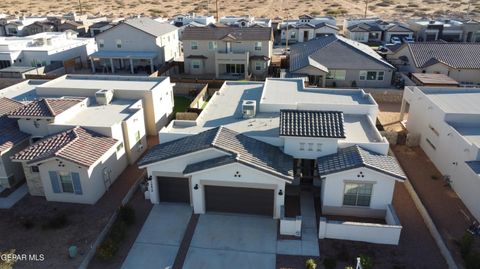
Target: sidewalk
x=447, y=211
x=14, y=197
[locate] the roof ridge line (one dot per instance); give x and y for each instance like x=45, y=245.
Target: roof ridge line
x=48, y=106
x=77, y=136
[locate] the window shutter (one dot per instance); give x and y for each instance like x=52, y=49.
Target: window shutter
x=54, y=181
x=77, y=186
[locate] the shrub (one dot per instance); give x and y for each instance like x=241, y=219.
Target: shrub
x=118, y=231
x=107, y=250
x=28, y=224
x=366, y=261
x=57, y=222
x=330, y=263
x=466, y=244
x=127, y=214
x=472, y=261
x=310, y=264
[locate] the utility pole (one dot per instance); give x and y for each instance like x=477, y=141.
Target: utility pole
x=366, y=8
x=208, y=7
x=80, y=4
x=216, y=7
x=286, y=32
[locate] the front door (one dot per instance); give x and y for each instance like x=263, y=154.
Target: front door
x=305, y=36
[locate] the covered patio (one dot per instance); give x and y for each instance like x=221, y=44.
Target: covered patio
x=112, y=60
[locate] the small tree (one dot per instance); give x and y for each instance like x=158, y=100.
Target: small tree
x=366, y=261
x=310, y=264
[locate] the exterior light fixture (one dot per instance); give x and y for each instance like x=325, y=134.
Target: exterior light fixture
x=196, y=187
x=280, y=192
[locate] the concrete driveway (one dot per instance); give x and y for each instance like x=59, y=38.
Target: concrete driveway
x=233, y=241
x=157, y=243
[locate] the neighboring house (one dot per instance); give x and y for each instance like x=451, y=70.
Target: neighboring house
x=307, y=27
x=39, y=27
x=99, y=27
x=12, y=140
x=227, y=52
x=77, y=27
x=460, y=61
x=256, y=143
x=44, y=49
x=119, y=47
x=16, y=27
x=450, y=30
x=447, y=121
x=245, y=21
x=180, y=20
x=375, y=30
x=337, y=61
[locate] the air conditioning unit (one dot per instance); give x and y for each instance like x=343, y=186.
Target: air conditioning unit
x=104, y=97
x=249, y=109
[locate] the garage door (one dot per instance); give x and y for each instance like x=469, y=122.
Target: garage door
x=239, y=200
x=174, y=189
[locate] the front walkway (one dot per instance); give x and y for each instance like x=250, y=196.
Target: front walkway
x=14, y=197
x=158, y=242
x=308, y=246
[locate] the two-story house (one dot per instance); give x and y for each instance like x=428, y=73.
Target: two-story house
x=375, y=30
x=134, y=45
x=227, y=52
x=306, y=27
x=446, y=29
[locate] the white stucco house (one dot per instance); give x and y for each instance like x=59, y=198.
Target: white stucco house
x=256, y=143
x=448, y=123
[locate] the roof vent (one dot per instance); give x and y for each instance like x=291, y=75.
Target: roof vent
x=104, y=97
x=249, y=109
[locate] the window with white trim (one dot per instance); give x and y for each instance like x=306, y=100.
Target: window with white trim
x=337, y=74
x=194, y=45
x=119, y=43
x=310, y=146
x=258, y=45
x=302, y=146
x=212, y=45
x=196, y=64
x=371, y=75
x=258, y=66
x=66, y=181
x=319, y=146
x=101, y=43
x=357, y=194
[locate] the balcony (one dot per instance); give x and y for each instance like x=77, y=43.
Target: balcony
x=232, y=56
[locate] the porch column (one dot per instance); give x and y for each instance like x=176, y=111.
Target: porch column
x=111, y=64
x=92, y=64
x=323, y=81
x=131, y=65
x=151, y=66
x=216, y=70
x=402, y=110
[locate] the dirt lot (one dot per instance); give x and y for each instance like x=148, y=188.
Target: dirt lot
x=390, y=9
x=444, y=206
x=389, y=116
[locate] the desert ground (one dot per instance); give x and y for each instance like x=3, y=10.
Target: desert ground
x=387, y=9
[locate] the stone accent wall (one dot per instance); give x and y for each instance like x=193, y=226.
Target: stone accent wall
x=34, y=182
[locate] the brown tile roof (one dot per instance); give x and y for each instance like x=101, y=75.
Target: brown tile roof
x=47, y=107
x=219, y=32
x=8, y=105
x=77, y=145
x=10, y=135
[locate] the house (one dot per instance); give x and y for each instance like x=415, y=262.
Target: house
x=333, y=60
x=77, y=27
x=245, y=21
x=374, y=30
x=446, y=121
x=119, y=49
x=227, y=51
x=306, y=27
x=460, y=61
x=39, y=27
x=180, y=20
x=12, y=140
x=16, y=27
x=446, y=29
x=99, y=27
x=44, y=49
x=256, y=143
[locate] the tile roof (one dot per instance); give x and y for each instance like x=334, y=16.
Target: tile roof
x=355, y=157
x=150, y=26
x=244, y=149
x=398, y=28
x=46, y=107
x=219, y=32
x=10, y=135
x=335, y=52
x=455, y=55
x=307, y=123
x=8, y=105
x=364, y=27
x=207, y=164
x=77, y=145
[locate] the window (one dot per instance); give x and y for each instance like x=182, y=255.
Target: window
x=337, y=74
x=302, y=146
x=212, y=45
x=66, y=182
x=36, y=124
x=371, y=75
x=292, y=34
x=101, y=43
x=196, y=64
x=137, y=136
x=258, y=45
x=381, y=74
x=34, y=169
x=310, y=146
x=319, y=146
x=258, y=66
x=119, y=43
x=433, y=130
x=431, y=144
x=194, y=45
x=119, y=147
x=357, y=194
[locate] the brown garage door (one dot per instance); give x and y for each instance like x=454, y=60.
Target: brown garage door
x=174, y=189
x=239, y=200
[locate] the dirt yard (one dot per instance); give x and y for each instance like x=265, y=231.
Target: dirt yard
x=389, y=9
x=389, y=116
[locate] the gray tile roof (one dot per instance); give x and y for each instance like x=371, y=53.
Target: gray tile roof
x=335, y=52
x=244, y=149
x=307, y=123
x=219, y=32
x=215, y=162
x=355, y=157
x=475, y=166
x=455, y=55
x=150, y=26
x=364, y=27
x=398, y=28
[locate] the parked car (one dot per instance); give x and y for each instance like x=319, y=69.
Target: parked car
x=395, y=40
x=408, y=39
